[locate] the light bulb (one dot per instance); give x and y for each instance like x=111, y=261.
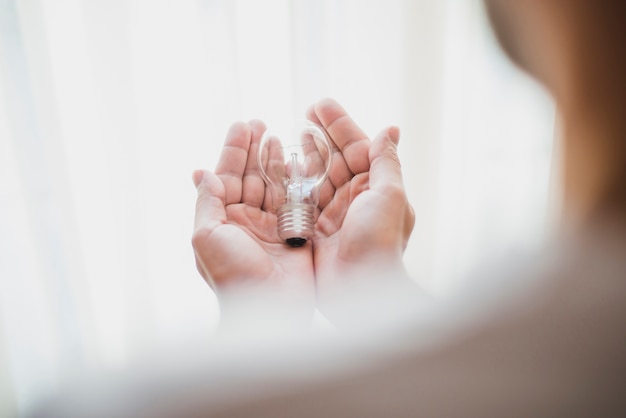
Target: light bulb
x=294, y=165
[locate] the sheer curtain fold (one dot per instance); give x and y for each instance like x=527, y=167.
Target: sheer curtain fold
x=495, y=152
x=107, y=107
x=41, y=319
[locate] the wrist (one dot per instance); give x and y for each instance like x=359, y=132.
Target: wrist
x=264, y=310
x=367, y=294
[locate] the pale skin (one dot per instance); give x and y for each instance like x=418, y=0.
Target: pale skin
x=235, y=237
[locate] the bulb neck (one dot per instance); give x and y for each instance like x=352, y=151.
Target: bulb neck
x=295, y=223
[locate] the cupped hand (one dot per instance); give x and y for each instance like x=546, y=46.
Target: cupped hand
x=235, y=237
x=365, y=220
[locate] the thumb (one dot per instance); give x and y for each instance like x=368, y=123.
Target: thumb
x=385, y=169
x=210, y=211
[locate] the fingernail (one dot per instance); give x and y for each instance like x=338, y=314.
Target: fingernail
x=394, y=134
x=197, y=176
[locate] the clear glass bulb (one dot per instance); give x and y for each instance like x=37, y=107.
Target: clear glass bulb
x=294, y=165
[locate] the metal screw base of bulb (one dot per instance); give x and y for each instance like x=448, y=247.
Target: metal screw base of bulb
x=295, y=223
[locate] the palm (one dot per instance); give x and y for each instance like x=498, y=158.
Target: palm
x=342, y=222
x=254, y=250
x=356, y=227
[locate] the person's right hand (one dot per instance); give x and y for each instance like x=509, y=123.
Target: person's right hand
x=235, y=238
x=365, y=219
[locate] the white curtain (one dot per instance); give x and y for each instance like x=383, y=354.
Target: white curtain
x=106, y=107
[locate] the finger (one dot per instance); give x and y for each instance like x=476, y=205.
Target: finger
x=268, y=201
x=272, y=158
x=349, y=138
x=339, y=172
x=210, y=214
x=327, y=191
x=385, y=171
x=253, y=186
x=316, y=150
x=232, y=162
x=386, y=176
x=358, y=185
x=316, y=160
x=331, y=218
x=210, y=208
